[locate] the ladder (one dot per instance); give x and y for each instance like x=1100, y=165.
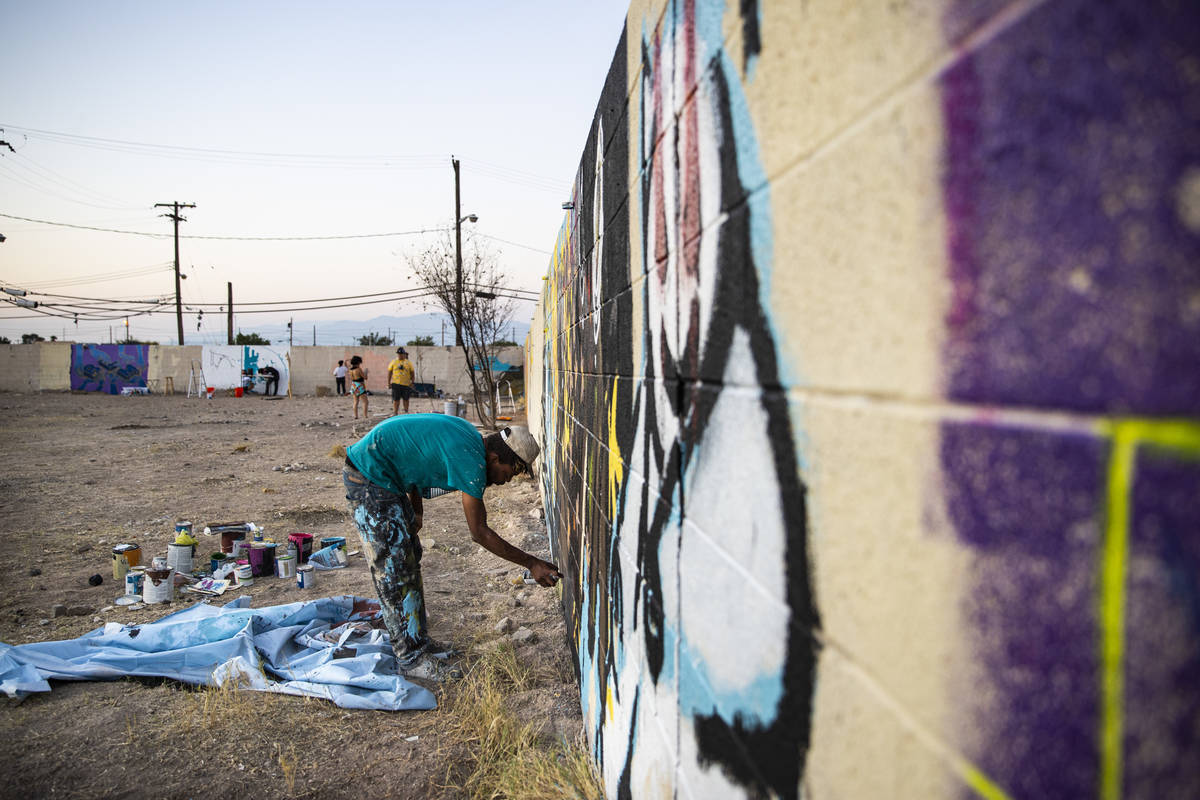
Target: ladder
x=196, y=380
x=500, y=403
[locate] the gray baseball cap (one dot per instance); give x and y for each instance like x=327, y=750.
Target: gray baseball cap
x=521, y=441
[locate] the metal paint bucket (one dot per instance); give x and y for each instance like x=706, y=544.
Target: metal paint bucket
x=159, y=586
x=183, y=527
x=216, y=561
x=285, y=566
x=303, y=543
x=135, y=579
x=244, y=574
x=262, y=559
x=179, y=556
x=124, y=557
x=305, y=576
x=450, y=408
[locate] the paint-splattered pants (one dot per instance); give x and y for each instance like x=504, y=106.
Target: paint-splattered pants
x=385, y=520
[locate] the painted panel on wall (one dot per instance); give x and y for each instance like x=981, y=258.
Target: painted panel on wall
x=223, y=364
x=108, y=367
x=1061, y=488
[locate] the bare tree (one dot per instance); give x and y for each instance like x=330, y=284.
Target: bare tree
x=484, y=312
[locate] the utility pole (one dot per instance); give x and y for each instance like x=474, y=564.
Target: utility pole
x=229, y=316
x=314, y=335
x=176, y=218
x=290, y=320
x=457, y=258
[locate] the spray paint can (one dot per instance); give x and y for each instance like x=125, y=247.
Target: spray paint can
x=304, y=576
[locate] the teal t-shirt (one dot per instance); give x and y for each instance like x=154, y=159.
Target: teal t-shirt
x=423, y=451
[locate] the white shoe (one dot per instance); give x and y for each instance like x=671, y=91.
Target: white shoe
x=431, y=668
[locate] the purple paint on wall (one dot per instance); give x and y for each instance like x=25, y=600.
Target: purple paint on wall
x=1162, y=645
x=1073, y=145
x=1029, y=504
x=108, y=367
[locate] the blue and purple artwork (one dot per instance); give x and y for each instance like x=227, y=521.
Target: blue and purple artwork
x=108, y=367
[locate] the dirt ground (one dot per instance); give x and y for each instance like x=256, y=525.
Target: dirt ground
x=85, y=472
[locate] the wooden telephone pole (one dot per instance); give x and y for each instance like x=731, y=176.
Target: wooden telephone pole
x=175, y=217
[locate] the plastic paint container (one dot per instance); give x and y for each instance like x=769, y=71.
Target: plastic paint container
x=240, y=548
x=305, y=576
x=285, y=566
x=124, y=557
x=244, y=574
x=340, y=541
x=159, y=586
x=179, y=556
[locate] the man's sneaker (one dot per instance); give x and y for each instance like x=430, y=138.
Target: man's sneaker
x=439, y=649
x=431, y=668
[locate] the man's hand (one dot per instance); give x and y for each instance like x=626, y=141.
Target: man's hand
x=545, y=573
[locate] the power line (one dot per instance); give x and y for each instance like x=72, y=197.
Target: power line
x=240, y=238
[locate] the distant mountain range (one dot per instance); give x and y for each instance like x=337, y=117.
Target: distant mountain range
x=400, y=329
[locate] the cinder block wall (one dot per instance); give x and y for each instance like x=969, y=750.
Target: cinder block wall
x=870, y=370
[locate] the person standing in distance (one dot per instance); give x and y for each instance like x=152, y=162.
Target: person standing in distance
x=400, y=377
x=271, y=376
x=339, y=378
x=385, y=474
x=358, y=385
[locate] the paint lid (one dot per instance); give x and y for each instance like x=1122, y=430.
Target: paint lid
x=305, y=568
x=125, y=548
x=128, y=599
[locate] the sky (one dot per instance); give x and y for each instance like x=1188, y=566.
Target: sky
x=281, y=119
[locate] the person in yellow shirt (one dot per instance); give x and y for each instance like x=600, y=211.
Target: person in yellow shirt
x=400, y=376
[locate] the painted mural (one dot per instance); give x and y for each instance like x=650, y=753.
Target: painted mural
x=108, y=368
x=968, y=566
x=224, y=364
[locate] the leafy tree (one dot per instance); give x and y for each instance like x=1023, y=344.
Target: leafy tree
x=136, y=341
x=374, y=339
x=421, y=341
x=5, y=340
x=30, y=338
x=504, y=343
x=250, y=338
x=484, y=314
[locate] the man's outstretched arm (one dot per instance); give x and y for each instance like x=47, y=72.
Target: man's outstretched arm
x=545, y=573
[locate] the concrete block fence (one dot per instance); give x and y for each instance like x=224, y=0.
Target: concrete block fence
x=109, y=368
x=869, y=360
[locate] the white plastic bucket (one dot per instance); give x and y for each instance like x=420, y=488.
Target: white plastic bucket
x=244, y=574
x=179, y=556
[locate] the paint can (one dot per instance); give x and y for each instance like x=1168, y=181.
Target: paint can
x=124, y=557
x=258, y=533
x=159, y=585
x=135, y=579
x=244, y=574
x=179, y=556
x=450, y=408
x=303, y=543
x=305, y=576
x=261, y=559
x=216, y=561
x=229, y=537
x=159, y=562
x=183, y=527
x=340, y=541
x=285, y=566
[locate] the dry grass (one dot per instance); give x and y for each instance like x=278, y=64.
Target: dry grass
x=509, y=759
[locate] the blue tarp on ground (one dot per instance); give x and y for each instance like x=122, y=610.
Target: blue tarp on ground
x=319, y=648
